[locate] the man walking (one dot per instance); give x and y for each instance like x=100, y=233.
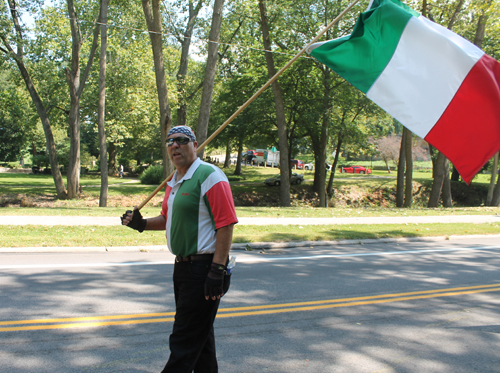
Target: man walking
x=198, y=215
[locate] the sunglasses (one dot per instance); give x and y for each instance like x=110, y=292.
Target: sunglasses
x=179, y=140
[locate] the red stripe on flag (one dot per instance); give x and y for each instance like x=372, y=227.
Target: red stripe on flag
x=468, y=132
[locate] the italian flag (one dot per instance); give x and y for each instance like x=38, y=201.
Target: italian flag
x=437, y=84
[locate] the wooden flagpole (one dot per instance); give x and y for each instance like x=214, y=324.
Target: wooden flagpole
x=255, y=95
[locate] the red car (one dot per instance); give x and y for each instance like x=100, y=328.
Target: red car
x=296, y=163
x=355, y=170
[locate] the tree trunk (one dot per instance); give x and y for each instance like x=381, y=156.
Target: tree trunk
x=239, y=158
x=103, y=196
x=491, y=188
x=446, y=193
x=455, y=176
x=73, y=175
x=409, y=168
x=227, y=162
x=458, y=9
x=111, y=158
x=76, y=84
x=433, y=160
x=208, y=81
x=329, y=189
x=437, y=183
x=481, y=26
x=280, y=111
x=153, y=20
x=478, y=41
x=441, y=172
x=387, y=166
x=322, y=194
x=183, y=65
x=47, y=129
x=495, y=200
x=401, y=173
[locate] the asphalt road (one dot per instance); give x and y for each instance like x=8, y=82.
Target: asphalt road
x=378, y=307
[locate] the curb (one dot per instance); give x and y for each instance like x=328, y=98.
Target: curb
x=280, y=245
x=240, y=246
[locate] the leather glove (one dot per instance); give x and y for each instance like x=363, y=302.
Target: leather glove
x=215, y=281
x=138, y=222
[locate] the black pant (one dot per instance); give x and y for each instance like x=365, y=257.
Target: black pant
x=192, y=342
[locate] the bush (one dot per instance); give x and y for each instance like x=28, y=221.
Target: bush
x=41, y=160
x=152, y=175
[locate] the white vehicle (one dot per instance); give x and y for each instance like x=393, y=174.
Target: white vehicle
x=309, y=166
x=267, y=157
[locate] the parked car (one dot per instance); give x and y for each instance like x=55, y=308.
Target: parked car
x=296, y=163
x=275, y=180
x=355, y=170
x=309, y=166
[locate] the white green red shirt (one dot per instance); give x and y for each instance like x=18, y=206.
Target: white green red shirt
x=195, y=207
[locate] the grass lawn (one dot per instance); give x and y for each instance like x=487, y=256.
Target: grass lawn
x=66, y=236
x=123, y=194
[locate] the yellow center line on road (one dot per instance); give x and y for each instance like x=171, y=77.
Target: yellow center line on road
x=350, y=304
x=343, y=300
x=88, y=318
x=91, y=321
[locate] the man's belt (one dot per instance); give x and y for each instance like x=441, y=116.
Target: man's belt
x=194, y=257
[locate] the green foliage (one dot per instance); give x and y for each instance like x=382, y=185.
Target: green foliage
x=310, y=91
x=15, y=131
x=153, y=175
x=41, y=160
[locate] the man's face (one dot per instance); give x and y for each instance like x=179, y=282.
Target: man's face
x=182, y=156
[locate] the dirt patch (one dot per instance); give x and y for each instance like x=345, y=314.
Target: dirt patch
x=50, y=201
x=345, y=196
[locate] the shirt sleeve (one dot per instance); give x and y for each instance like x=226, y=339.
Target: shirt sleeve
x=220, y=199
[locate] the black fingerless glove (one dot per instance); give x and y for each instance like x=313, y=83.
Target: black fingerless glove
x=138, y=222
x=214, y=284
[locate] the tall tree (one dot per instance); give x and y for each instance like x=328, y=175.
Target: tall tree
x=478, y=41
x=495, y=199
x=325, y=124
x=350, y=124
x=208, y=81
x=103, y=197
x=185, y=40
x=18, y=56
x=442, y=176
x=76, y=83
x=280, y=110
x=401, y=172
x=132, y=110
x=408, y=149
x=153, y=20
x=491, y=188
x=439, y=170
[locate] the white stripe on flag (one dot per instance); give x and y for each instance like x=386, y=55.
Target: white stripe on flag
x=426, y=70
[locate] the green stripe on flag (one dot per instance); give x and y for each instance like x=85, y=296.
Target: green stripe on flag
x=362, y=56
